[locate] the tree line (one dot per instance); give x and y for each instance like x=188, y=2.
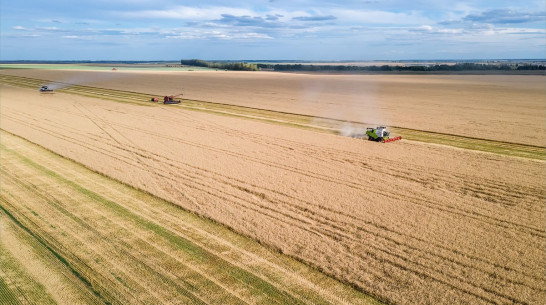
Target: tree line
x=236, y=66
x=416, y=68
x=242, y=66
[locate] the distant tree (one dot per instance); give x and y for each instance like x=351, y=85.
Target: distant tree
x=457, y=67
x=238, y=66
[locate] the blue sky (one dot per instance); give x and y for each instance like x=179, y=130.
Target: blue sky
x=271, y=29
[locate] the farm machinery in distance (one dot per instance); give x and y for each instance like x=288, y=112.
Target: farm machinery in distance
x=168, y=99
x=45, y=89
x=380, y=134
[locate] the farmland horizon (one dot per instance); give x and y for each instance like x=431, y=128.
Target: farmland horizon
x=271, y=60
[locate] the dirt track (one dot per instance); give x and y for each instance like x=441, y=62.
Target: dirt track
x=410, y=222
x=498, y=107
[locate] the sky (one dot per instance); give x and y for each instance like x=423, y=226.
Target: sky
x=272, y=29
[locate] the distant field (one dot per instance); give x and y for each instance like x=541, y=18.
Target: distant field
x=101, y=67
x=496, y=107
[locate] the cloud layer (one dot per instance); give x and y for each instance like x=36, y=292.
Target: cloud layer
x=389, y=29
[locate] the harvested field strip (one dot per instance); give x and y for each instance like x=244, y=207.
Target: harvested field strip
x=292, y=119
x=128, y=247
x=8, y=296
x=41, y=277
x=16, y=282
x=110, y=94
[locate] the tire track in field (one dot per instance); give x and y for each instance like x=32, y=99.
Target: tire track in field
x=497, y=193
x=284, y=202
x=175, y=223
x=358, y=186
x=224, y=198
x=149, y=168
x=494, y=191
x=203, y=188
x=68, y=213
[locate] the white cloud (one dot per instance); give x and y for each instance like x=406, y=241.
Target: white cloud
x=224, y=34
x=351, y=27
x=379, y=17
x=436, y=30
x=48, y=28
x=527, y=31
x=190, y=13
x=506, y=16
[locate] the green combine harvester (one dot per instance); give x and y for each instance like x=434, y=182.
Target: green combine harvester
x=380, y=134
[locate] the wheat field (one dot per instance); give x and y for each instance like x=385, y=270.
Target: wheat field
x=72, y=236
x=407, y=223
x=498, y=107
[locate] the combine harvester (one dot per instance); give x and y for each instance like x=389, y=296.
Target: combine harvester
x=45, y=89
x=380, y=134
x=168, y=99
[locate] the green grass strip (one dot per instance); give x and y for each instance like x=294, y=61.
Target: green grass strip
x=52, y=251
x=26, y=285
x=7, y=296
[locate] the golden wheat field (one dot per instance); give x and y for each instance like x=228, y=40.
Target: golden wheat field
x=72, y=236
x=322, y=215
x=498, y=107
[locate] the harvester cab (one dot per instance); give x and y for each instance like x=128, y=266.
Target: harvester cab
x=380, y=134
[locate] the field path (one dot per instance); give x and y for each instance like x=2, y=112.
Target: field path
x=407, y=222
